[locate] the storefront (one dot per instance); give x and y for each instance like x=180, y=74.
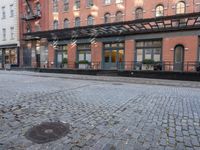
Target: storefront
x=61, y=56
x=83, y=56
x=113, y=56
x=9, y=56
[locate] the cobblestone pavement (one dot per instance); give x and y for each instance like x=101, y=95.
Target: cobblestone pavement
x=102, y=115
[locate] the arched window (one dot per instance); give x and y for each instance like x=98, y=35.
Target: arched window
x=159, y=10
x=55, y=24
x=90, y=20
x=180, y=7
x=139, y=13
x=107, y=18
x=77, y=22
x=66, y=23
x=119, y=16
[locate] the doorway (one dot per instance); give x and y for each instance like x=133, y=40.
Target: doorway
x=179, y=58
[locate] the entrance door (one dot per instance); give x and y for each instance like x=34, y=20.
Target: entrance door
x=38, y=60
x=178, y=58
x=113, y=59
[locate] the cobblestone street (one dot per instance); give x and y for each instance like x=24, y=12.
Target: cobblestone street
x=122, y=114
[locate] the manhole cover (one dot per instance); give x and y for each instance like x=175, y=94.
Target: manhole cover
x=47, y=132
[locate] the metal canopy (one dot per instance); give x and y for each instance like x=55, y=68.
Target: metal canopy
x=182, y=22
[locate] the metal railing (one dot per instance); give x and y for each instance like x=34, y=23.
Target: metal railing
x=189, y=66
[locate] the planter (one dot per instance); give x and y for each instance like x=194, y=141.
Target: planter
x=147, y=67
x=83, y=66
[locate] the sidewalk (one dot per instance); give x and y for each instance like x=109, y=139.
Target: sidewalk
x=192, y=84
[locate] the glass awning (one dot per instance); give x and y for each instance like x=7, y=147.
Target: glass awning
x=182, y=22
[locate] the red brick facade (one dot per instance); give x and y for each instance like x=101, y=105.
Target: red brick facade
x=189, y=40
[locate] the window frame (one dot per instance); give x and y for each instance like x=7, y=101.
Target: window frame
x=179, y=9
x=139, y=13
x=158, y=11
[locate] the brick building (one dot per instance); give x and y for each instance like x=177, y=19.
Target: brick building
x=113, y=34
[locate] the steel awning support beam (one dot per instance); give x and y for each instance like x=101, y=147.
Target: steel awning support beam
x=141, y=26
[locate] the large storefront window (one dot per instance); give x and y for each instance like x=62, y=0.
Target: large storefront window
x=61, y=56
x=148, y=50
x=8, y=56
x=113, y=56
x=83, y=56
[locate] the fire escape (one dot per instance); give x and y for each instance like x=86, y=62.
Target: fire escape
x=31, y=15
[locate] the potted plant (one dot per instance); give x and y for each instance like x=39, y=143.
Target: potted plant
x=65, y=62
x=83, y=64
x=147, y=64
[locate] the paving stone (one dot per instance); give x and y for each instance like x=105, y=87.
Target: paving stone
x=158, y=115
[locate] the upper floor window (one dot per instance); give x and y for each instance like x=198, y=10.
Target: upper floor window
x=119, y=16
x=55, y=24
x=119, y=1
x=106, y=2
x=107, y=18
x=90, y=3
x=90, y=20
x=55, y=5
x=139, y=13
x=11, y=11
x=66, y=23
x=77, y=22
x=159, y=10
x=180, y=7
x=77, y=4
x=66, y=5
x=4, y=34
x=3, y=12
x=38, y=9
x=11, y=33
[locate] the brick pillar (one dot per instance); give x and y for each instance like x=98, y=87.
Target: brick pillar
x=71, y=56
x=51, y=56
x=129, y=54
x=96, y=54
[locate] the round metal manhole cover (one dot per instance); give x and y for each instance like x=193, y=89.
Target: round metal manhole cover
x=47, y=132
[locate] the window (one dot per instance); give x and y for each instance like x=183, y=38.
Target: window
x=4, y=34
x=38, y=11
x=77, y=22
x=55, y=24
x=55, y=5
x=107, y=18
x=90, y=20
x=11, y=33
x=77, y=4
x=66, y=23
x=90, y=3
x=119, y=16
x=84, y=52
x=119, y=1
x=180, y=8
x=37, y=27
x=28, y=29
x=107, y=2
x=66, y=5
x=61, y=55
x=3, y=12
x=139, y=13
x=159, y=10
x=148, y=50
x=11, y=11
